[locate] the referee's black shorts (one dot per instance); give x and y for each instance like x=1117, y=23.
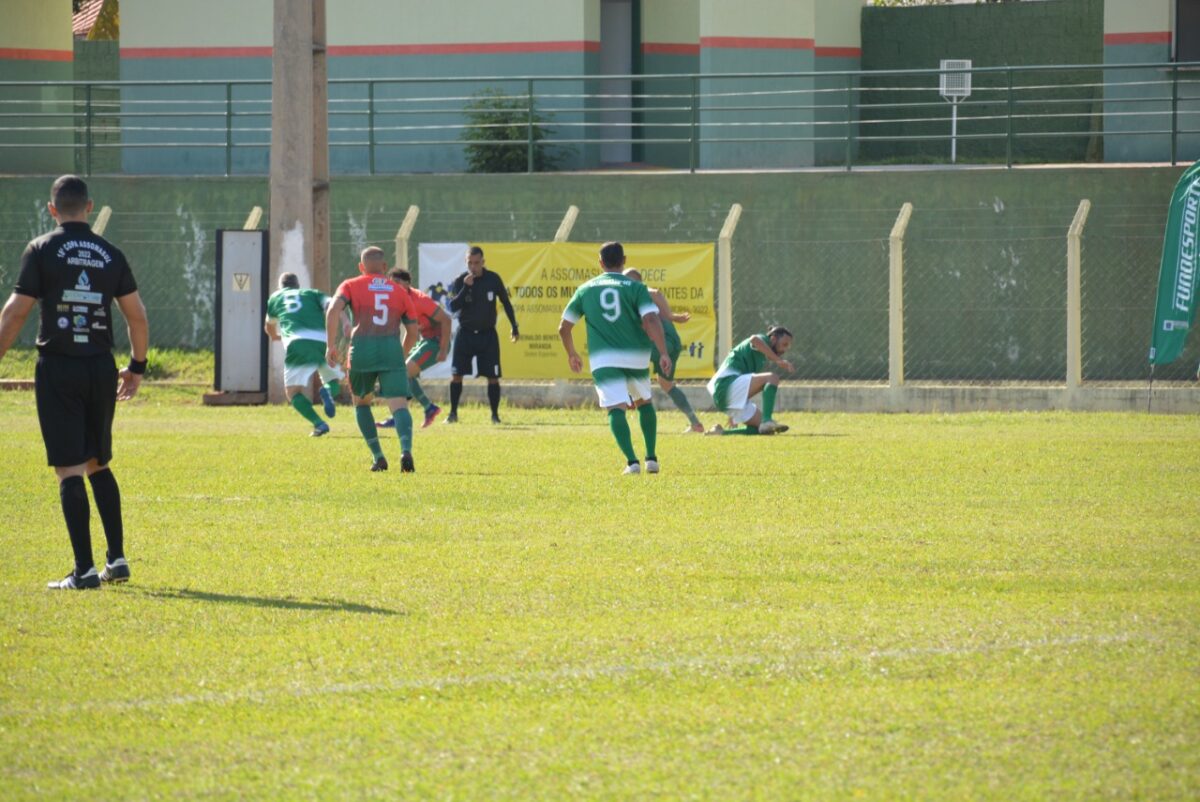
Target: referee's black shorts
x=483, y=346
x=76, y=398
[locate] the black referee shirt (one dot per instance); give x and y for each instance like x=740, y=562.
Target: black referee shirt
x=476, y=305
x=75, y=274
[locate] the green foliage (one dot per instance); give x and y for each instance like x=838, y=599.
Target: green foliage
x=984, y=606
x=497, y=119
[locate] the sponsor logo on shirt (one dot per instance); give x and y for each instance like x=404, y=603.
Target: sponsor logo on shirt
x=77, y=309
x=80, y=321
x=380, y=285
x=98, y=326
x=64, y=307
x=81, y=338
x=84, y=282
x=63, y=323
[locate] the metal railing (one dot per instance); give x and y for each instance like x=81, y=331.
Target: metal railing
x=1059, y=113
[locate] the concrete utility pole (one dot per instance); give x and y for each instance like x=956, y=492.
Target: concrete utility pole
x=299, y=155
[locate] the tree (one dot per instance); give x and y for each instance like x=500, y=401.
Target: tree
x=495, y=120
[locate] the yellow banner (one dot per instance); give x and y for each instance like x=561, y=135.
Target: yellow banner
x=541, y=278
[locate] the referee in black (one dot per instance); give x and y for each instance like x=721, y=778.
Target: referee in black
x=473, y=297
x=75, y=275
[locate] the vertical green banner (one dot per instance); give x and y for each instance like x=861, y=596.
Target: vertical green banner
x=1175, y=311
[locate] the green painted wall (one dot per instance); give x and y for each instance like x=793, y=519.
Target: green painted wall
x=985, y=257
x=991, y=35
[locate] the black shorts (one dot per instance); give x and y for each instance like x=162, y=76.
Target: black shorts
x=483, y=346
x=76, y=398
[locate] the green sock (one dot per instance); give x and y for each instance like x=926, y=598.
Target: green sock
x=301, y=404
x=418, y=393
x=769, y=400
x=366, y=425
x=742, y=430
x=620, y=430
x=334, y=389
x=680, y=399
x=403, y=419
x=649, y=421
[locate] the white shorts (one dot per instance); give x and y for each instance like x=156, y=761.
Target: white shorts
x=735, y=397
x=301, y=375
x=621, y=387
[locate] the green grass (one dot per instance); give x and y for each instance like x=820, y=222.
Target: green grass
x=993, y=606
x=171, y=364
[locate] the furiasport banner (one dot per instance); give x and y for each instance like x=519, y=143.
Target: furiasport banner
x=1175, y=310
x=542, y=276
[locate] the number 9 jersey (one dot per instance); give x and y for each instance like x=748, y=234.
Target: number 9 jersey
x=613, y=305
x=380, y=308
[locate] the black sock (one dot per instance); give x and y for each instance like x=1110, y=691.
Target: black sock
x=455, y=394
x=108, y=503
x=78, y=515
x=494, y=398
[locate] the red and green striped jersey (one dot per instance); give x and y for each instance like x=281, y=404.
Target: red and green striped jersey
x=380, y=308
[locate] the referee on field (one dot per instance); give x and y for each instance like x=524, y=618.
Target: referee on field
x=75, y=275
x=473, y=297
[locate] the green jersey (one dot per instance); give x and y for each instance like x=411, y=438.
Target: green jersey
x=744, y=358
x=301, y=319
x=613, y=305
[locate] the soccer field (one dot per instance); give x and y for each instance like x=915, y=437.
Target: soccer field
x=997, y=606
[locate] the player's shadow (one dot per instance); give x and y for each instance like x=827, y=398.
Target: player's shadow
x=316, y=605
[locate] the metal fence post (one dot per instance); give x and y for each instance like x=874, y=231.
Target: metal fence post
x=849, y=121
x=694, y=131
x=87, y=131
x=529, y=131
x=1008, y=140
x=1174, y=110
x=568, y=222
x=228, y=129
x=403, y=235
x=1074, y=300
x=896, y=299
x=370, y=127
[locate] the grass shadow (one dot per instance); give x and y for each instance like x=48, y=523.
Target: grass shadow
x=317, y=605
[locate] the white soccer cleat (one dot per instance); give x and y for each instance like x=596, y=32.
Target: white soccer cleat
x=697, y=429
x=771, y=427
x=631, y=469
x=715, y=430
x=651, y=466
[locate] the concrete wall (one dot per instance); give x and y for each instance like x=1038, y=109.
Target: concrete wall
x=991, y=35
x=670, y=46
x=35, y=45
x=985, y=258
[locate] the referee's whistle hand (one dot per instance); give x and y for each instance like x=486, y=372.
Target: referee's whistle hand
x=515, y=336
x=128, y=386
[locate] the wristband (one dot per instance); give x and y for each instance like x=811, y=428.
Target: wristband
x=137, y=367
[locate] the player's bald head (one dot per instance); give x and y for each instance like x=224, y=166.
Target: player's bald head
x=372, y=259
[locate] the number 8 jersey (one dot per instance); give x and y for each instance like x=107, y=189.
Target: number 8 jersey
x=613, y=305
x=380, y=308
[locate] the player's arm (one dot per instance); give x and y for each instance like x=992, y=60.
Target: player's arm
x=411, y=335
x=568, y=340
x=763, y=347
x=444, y=340
x=332, y=317
x=12, y=319
x=138, y=325
x=664, y=308
x=652, y=325
x=508, y=307
x=270, y=326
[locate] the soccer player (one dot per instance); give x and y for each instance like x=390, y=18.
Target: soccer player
x=622, y=326
x=380, y=308
x=76, y=274
x=674, y=347
x=473, y=297
x=740, y=378
x=434, y=326
x=297, y=317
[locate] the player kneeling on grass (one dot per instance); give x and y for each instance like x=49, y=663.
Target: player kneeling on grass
x=433, y=323
x=740, y=378
x=297, y=317
x=380, y=308
x=674, y=348
x=622, y=325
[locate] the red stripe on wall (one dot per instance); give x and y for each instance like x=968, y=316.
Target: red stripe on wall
x=756, y=43
x=195, y=52
x=839, y=52
x=370, y=50
x=1147, y=38
x=671, y=48
x=27, y=54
